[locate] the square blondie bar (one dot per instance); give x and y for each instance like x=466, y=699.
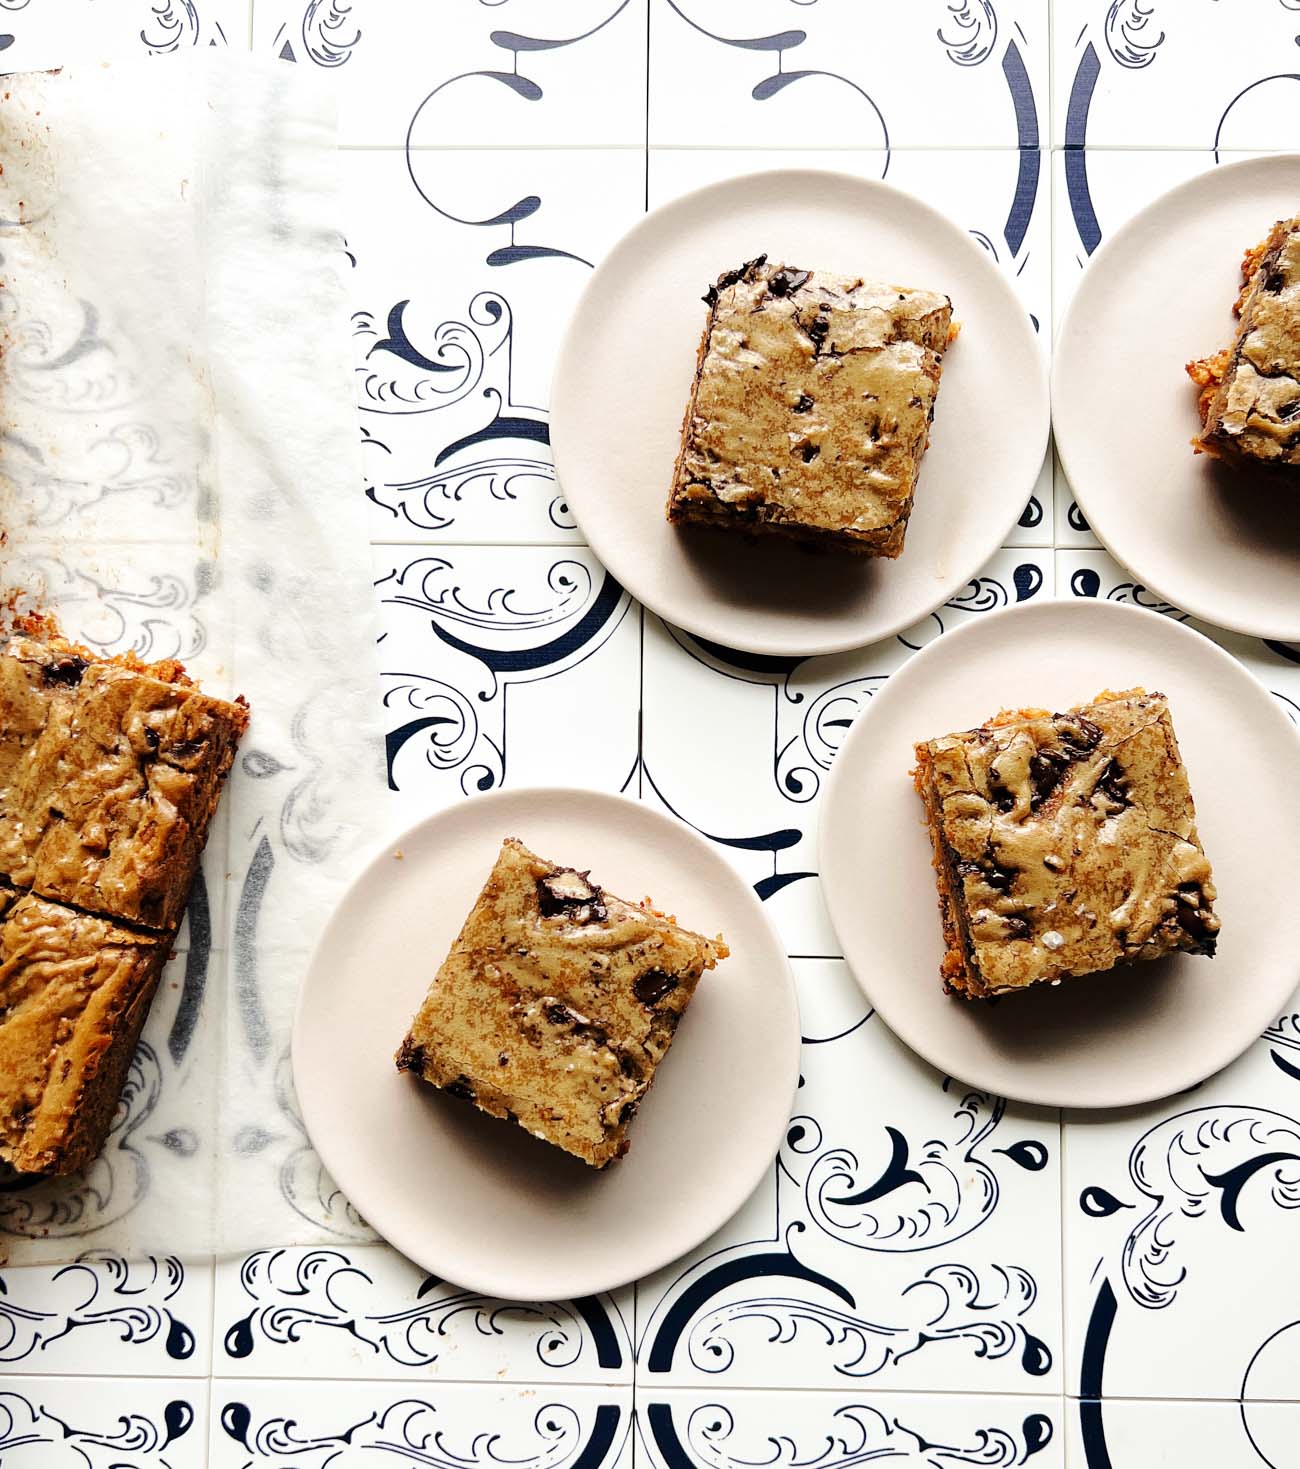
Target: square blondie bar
x=811, y=407
x=556, y=1004
x=109, y=776
x=1064, y=844
x=1250, y=392
x=74, y=994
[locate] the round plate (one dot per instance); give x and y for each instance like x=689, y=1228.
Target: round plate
x=1143, y=1030
x=624, y=375
x=480, y=1202
x=1158, y=294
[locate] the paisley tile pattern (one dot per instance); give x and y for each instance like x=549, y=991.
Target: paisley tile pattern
x=927, y=1275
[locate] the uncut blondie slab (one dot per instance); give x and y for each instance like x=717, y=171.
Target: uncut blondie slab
x=109, y=776
x=811, y=407
x=556, y=1004
x=1250, y=392
x=1064, y=844
x=74, y=993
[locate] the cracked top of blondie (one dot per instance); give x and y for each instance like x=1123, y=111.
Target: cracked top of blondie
x=1065, y=843
x=812, y=405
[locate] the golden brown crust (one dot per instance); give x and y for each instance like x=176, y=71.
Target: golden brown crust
x=1064, y=844
x=556, y=1004
x=74, y=994
x=1249, y=398
x=810, y=408
x=109, y=777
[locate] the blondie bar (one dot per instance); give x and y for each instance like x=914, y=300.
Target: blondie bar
x=811, y=407
x=1064, y=844
x=1250, y=392
x=556, y=1004
x=74, y=993
x=109, y=775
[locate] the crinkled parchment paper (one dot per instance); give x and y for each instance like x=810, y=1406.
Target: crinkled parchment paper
x=179, y=475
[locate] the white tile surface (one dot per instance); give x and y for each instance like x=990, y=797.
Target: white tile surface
x=456, y=325
x=151, y=1317
x=366, y=1312
x=720, y=1429
x=1175, y=1435
x=769, y=74
x=464, y=72
x=103, y=1423
x=891, y=1245
x=272, y=1424
x=1175, y=74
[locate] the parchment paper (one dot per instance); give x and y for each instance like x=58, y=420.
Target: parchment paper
x=179, y=474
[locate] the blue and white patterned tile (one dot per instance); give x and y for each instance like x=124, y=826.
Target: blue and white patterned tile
x=835, y=1430
x=278, y=1424
x=36, y=35
x=482, y=72
x=102, y=1423
x=1165, y=1435
x=510, y=665
x=1001, y=197
x=142, y=1318
x=466, y=266
x=906, y=1237
x=1179, y=1231
x=784, y=719
x=1175, y=74
x=368, y=1312
x=838, y=73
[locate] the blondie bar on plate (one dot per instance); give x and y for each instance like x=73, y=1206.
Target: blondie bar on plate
x=811, y=407
x=1250, y=392
x=1064, y=844
x=556, y=1004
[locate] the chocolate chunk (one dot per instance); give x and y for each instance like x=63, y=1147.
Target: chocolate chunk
x=183, y=749
x=653, y=985
x=626, y=1113
x=999, y=878
x=810, y=452
x=1112, y=784
x=1045, y=771
x=817, y=329
x=559, y=1014
x=67, y=671
x=151, y=738
x=1274, y=282
x=1016, y=928
x=410, y=1057
x=1077, y=734
x=1289, y=410
x=461, y=1087
x=786, y=282
x=804, y=404
x=731, y=277
x=571, y=895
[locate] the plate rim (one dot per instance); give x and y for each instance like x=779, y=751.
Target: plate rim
x=376, y=858
x=1247, y=627
x=1121, y=612
x=570, y=346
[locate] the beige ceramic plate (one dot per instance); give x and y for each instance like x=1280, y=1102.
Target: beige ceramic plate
x=480, y=1202
x=1156, y=295
x=625, y=371
x=1142, y=1031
